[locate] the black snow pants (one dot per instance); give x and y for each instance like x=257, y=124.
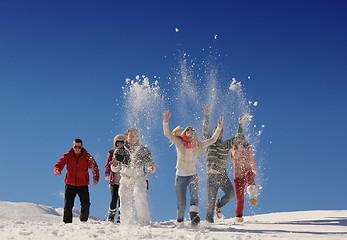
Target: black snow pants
x=70, y=195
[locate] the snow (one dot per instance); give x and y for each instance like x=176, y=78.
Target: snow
x=33, y=221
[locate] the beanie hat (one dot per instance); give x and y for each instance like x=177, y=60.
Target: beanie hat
x=119, y=137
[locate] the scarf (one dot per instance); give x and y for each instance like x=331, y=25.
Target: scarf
x=188, y=143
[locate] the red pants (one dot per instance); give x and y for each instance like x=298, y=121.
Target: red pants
x=240, y=185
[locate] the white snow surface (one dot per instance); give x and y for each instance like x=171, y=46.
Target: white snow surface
x=33, y=221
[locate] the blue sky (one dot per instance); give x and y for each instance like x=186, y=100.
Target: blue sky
x=63, y=65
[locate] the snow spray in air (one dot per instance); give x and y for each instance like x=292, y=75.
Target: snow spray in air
x=205, y=83
x=144, y=106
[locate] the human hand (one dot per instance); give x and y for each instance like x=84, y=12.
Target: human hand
x=114, y=162
x=207, y=110
x=243, y=117
x=220, y=121
x=57, y=172
x=95, y=182
x=107, y=176
x=166, y=115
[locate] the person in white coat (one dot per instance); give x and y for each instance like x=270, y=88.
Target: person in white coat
x=131, y=161
x=188, y=147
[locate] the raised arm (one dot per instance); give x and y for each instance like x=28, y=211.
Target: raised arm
x=215, y=135
x=242, y=118
x=206, y=122
x=166, y=129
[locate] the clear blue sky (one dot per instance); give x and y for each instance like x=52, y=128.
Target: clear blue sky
x=63, y=65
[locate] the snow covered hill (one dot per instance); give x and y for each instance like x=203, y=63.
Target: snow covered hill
x=32, y=221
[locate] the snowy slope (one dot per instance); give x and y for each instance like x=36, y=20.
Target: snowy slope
x=32, y=221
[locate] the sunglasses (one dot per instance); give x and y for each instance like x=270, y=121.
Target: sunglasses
x=122, y=142
x=190, y=129
x=77, y=147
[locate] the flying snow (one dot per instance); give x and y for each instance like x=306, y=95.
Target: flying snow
x=235, y=86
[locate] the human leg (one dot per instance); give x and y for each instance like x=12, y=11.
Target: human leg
x=117, y=201
x=252, y=189
x=240, y=184
x=194, y=198
x=83, y=193
x=113, y=204
x=228, y=189
x=212, y=189
x=250, y=177
x=69, y=200
x=114, y=196
x=141, y=204
x=181, y=184
x=126, y=197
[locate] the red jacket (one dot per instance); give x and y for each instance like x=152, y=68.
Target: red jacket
x=77, y=168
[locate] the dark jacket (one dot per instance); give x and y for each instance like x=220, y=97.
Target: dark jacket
x=113, y=178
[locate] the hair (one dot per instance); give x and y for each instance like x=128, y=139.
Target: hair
x=176, y=133
x=176, y=130
x=78, y=140
x=118, y=137
x=135, y=130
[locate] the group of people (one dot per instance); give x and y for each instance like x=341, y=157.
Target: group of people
x=128, y=163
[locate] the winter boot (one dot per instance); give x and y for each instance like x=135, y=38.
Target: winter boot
x=253, y=193
x=194, y=219
x=238, y=220
x=219, y=213
x=111, y=215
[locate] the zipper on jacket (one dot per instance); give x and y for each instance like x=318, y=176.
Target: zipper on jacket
x=76, y=171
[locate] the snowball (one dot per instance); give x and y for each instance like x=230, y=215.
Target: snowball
x=255, y=104
x=176, y=29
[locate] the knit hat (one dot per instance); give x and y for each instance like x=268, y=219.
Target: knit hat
x=119, y=138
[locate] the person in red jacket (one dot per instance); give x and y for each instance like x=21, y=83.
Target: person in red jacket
x=77, y=162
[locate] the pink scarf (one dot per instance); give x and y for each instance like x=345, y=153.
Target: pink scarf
x=188, y=143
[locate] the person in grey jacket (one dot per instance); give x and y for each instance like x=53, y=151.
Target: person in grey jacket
x=188, y=147
x=217, y=178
